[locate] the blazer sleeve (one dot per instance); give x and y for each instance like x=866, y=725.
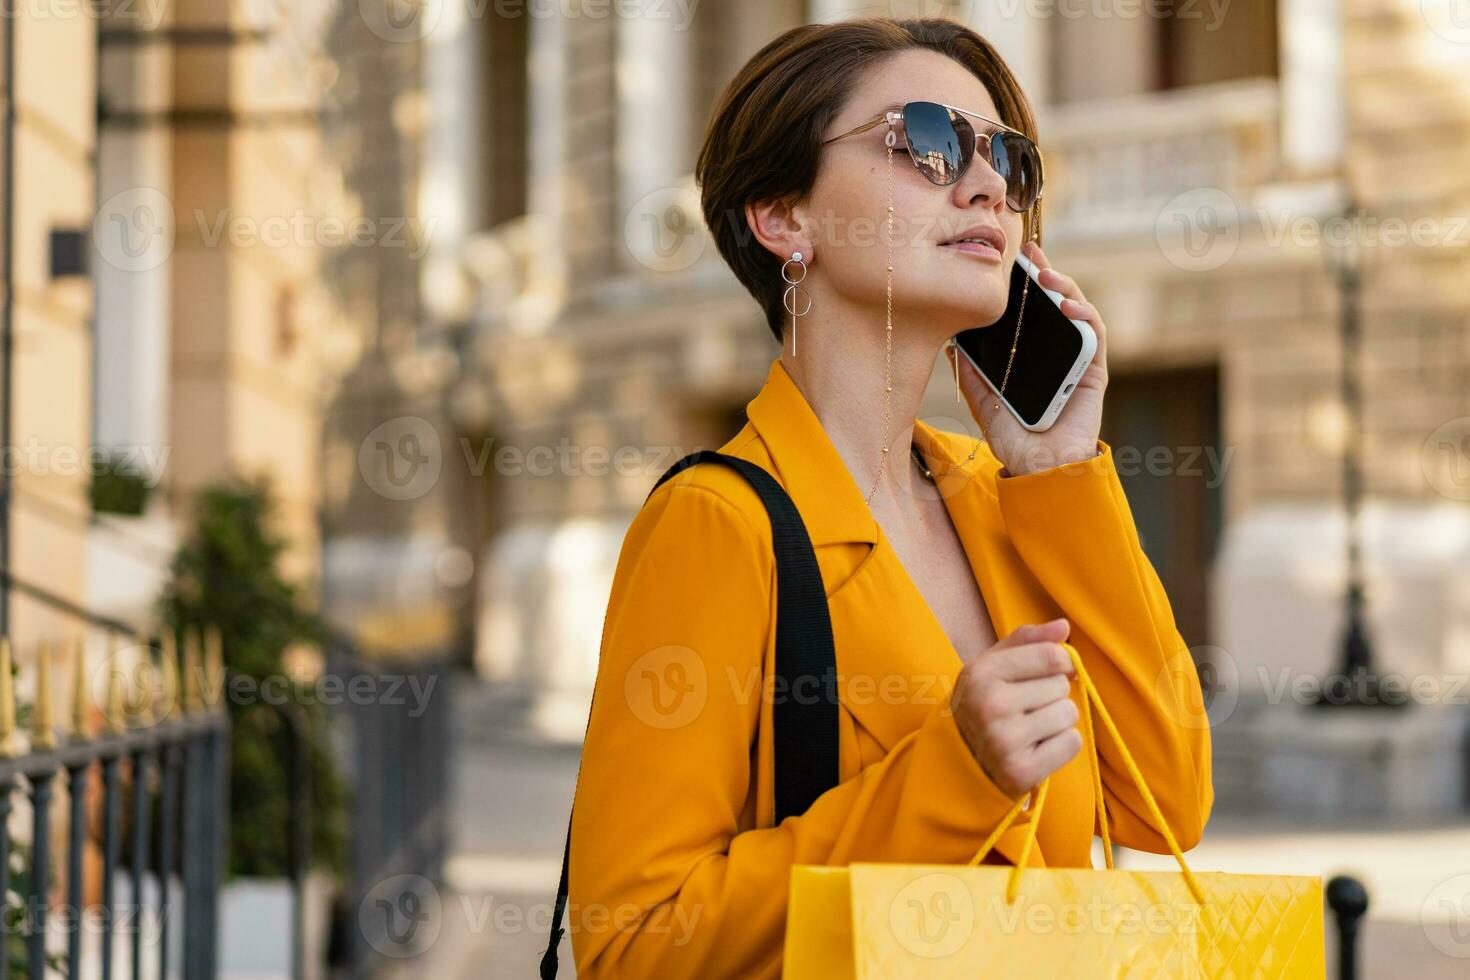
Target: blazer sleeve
x=668, y=877
x=1072, y=526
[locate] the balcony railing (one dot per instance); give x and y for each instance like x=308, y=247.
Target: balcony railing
x=1113, y=165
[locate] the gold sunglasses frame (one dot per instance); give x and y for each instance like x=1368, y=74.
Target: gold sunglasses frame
x=894, y=115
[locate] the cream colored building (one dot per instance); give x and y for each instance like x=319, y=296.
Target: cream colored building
x=50, y=139
x=1194, y=160
x=184, y=140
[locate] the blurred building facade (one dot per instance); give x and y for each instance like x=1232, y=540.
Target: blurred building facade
x=168, y=315
x=47, y=145
x=1195, y=162
x=398, y=511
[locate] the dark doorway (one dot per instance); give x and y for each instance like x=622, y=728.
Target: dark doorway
x=1164, y=428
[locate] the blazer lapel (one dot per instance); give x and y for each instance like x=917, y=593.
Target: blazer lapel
x=894, y=660
x=808, y=465
x=1012, y=593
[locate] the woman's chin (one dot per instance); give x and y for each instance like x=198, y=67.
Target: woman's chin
x=964, y=314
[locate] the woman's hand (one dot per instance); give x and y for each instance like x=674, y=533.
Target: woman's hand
x=1074, y=435
x=1013, y=707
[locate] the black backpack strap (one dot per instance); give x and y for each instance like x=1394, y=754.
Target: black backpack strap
x=805, y=696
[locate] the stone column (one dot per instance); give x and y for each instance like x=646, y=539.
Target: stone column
x=132, y=237
x=655, y=137
x=450, y=193
x=1313, y=112
x=548, y=64
x=1022, y=41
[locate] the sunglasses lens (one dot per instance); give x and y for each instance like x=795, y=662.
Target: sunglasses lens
x=941, y=142
x=1016, y=159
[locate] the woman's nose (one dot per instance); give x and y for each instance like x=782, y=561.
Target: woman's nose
x=980, y=181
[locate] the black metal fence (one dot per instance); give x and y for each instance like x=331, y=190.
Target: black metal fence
x=399, y=751
x=160, y=769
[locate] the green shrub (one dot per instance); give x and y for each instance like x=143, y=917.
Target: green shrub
x=226, y=574
x=118, y=488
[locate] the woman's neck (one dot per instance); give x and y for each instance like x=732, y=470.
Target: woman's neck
x=840, y=373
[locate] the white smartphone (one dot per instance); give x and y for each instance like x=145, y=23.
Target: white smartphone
x=1052, y=351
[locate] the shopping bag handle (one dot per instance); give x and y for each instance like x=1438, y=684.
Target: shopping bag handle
x=1090, y=696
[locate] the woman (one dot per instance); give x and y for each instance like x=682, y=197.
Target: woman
x=952, y=573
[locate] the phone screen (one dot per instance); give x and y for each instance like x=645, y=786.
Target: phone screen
x=1046, y=350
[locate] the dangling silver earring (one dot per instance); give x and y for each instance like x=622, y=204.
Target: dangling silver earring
x=791, y=298
x=954, y=356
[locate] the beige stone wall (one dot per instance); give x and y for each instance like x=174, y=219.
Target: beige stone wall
x=1408, y=157
x=208, y=342
x=51, y=373
x=247, y=316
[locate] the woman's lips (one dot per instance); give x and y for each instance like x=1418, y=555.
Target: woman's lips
x=983, y=249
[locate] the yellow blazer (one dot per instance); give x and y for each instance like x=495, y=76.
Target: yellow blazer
x=676, y=869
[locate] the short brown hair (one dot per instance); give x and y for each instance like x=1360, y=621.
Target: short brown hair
x=764, y=137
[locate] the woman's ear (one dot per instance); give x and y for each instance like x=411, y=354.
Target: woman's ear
x=778, y=226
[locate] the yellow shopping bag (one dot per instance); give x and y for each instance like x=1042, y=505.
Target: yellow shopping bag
x=933, y=920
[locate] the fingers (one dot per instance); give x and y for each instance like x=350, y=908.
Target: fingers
x=1053, y=630
x=1035, y=660
x=1075, y=304
x=1003, y=702
x=1027, y=652
x=1062, y=283
x=1046, y=721
x=1039, y=692
x=1049, y=755
x=1080, y=310
x=1014, y=706
x=1024, y=751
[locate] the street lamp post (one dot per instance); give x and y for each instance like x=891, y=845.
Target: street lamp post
x=1354, y=683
